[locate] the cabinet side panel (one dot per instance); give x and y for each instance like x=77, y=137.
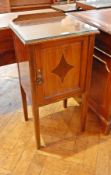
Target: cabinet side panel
x=100, y=91
x=23, y=66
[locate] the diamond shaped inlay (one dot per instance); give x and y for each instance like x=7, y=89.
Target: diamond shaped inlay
x=62, y=69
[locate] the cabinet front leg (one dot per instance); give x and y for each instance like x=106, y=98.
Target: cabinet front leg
x=65, y=103
x=36, y=126
x=24, y=103
x=84, y=109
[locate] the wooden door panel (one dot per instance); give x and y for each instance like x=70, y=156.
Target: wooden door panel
x=58, y=68
x=63, y=69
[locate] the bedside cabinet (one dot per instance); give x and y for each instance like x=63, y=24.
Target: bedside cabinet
x=54, y=61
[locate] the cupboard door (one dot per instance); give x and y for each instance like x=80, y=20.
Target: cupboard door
x=62, y=70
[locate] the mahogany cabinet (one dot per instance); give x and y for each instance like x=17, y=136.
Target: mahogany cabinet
x=82, y=5
x=90, y=4
x=22, y=5
x=100, y=92
x=29, y=4
x=53, y=64
x=7, y=51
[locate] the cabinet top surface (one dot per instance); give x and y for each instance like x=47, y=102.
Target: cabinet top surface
x=6, y=18
x=98, y=18
x=97, y=3
x=65, y=7
x=50, y=28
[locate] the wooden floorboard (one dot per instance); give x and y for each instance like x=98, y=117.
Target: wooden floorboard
x=67, y=151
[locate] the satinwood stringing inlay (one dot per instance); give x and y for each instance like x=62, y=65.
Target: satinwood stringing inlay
x=62, y=69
